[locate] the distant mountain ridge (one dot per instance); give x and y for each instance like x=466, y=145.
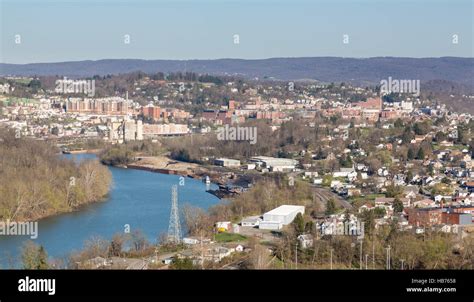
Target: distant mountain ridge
x=325, y=69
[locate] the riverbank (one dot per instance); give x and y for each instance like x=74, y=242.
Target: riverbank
x=86, y=151
x=165, y=165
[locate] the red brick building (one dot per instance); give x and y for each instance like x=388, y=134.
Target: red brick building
x=106, y=106
x=371, y=103
x=390, y=114
x=218, y=116
x=150, y=111
x=270, y=115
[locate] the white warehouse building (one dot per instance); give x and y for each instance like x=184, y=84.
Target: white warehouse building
x=227, y=162
x=275, y=164
x=277, y=218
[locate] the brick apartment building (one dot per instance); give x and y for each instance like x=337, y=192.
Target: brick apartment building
x=434, y=216
x=152, y=112
x=98, y=106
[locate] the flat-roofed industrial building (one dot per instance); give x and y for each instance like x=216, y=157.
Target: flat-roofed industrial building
x=278, y=217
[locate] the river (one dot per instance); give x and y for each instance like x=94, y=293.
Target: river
x=139, y=199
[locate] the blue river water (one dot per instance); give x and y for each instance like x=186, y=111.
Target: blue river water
x=140, y=199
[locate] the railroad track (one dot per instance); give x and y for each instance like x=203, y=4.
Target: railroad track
x=324, y=195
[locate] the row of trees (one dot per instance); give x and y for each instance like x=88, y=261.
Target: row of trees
x=124, y=154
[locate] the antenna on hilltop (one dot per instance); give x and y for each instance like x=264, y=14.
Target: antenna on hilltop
x=174, y=229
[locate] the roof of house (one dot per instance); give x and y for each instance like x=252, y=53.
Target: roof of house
x=408, y=189
x=384, y=199
x=251, y=219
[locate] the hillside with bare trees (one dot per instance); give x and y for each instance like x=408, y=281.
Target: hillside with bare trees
x=35, y=182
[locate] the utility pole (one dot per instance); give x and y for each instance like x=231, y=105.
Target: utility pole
x=202, y=253
x=388, y=257
x=296, y=256
x=360, y=259
x=331, y=257
x=373, y=254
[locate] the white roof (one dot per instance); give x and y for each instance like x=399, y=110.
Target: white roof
x=285, y=209
x=275, y=161
x=228, y=159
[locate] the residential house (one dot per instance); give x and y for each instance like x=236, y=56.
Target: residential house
x=305, y=241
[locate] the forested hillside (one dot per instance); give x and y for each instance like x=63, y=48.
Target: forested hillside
x=36, y=182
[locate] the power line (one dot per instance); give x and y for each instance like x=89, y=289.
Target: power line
x=174, y=228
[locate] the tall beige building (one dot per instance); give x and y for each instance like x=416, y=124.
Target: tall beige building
x=133, y=130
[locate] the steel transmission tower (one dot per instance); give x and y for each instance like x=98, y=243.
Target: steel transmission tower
x=174, y=229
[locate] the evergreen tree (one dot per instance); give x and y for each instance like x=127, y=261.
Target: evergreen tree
x=298, y=224
x=330, y=207
x=409, y=176
x=347, y=216
x=407, y=135
x=420, y=154
x=368, y=218
x=410, y=154
x=309, y=227
x=398, y=205
x=398, y=123
x=34, y=256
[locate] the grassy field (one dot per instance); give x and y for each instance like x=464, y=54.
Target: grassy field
x=228, y=237
x=454, y=147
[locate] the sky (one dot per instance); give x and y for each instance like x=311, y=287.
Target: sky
x=34, y=31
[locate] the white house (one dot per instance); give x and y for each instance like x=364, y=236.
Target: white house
x=305, y=240
x=190, y=241
x=223, y=226
x=251, y=221
x=318, y=181
x=343, y=172
x=310, y=174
